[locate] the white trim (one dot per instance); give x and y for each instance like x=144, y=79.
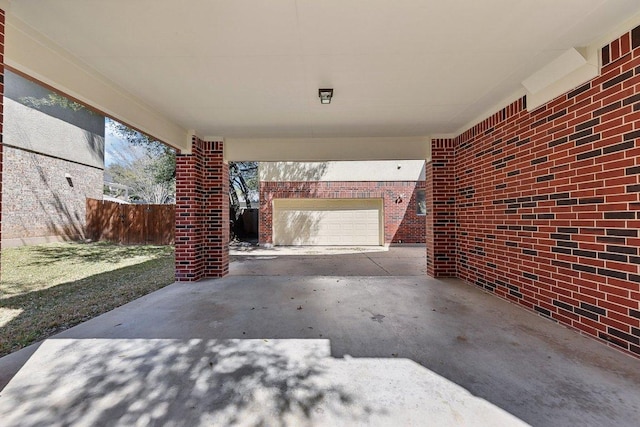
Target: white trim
x=565, y=64
x=563, y=85
x=491, y=111
x=212, y=138
x=327, y=149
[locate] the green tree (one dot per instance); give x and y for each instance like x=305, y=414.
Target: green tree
x=164, y=169
x=52, y=100
x=243, y=182
x=160, y=165
x=145, y=165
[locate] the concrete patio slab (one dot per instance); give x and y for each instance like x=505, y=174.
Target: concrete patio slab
x=231, y=382
x=436, y=351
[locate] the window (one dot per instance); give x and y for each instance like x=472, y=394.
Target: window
x=421, y=202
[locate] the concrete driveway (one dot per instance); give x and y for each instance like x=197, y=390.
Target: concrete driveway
x=321, y=350
x=328, y=261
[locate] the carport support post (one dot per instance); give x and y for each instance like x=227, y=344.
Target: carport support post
x=441, y=209
x=202, y=212
x=429, y=236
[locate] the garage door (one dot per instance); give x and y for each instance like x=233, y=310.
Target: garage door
x=327, y=222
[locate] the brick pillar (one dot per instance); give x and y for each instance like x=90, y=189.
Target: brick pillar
x=429, y=236
x=215, y=220
x=441, y=210
x=265, y=215
x=202, y=212
x=1, y=107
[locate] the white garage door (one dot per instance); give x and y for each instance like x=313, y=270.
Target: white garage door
x=327, y=222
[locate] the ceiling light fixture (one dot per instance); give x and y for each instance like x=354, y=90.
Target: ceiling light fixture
x=325, y=95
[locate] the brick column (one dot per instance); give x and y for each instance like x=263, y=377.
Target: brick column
x=265, y=215
x=215, y=219
x=202, y=212
x=441, y=210
x=429, y=236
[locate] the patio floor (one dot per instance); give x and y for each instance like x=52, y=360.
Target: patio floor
x=321, y=350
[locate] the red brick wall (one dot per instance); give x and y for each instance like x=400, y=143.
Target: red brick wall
x=202, y=212
x=40, y=202
x=401, y=223
x=442, y=210
x=548, y=206
x=429, y=232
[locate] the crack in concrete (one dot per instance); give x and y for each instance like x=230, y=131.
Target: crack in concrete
x=381, y=267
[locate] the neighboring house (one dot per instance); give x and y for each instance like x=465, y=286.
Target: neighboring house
x=53, y=159
x=342, y=203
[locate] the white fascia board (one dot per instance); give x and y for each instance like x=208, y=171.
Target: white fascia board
x=570, y=81
x=327, y=149
x=567, y=71
x=569, y=61
x=32, y=54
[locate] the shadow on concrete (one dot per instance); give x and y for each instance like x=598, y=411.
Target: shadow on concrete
x=230, y=382
x=187, y=382
x=404, y=350
x=328, y=261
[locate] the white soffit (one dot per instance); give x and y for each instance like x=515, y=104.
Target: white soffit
x=251, y=69
x=27, y=52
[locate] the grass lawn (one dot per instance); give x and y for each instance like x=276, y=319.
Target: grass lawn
x=48, y=288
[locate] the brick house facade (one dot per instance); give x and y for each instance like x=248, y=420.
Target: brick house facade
x=402, y=221
x=53, y=162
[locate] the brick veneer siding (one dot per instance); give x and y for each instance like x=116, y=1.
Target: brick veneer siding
x=548, y=207
x=40, y=201
x=401, y=223
x=429, y=232
x=202, y=212
x=442, y=210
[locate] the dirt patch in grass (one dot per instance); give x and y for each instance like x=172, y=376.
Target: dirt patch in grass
x=48, y=288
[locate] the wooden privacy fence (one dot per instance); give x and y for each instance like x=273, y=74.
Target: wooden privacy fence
x=130, y=224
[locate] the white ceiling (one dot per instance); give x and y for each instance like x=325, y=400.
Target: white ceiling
x=252, y=69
